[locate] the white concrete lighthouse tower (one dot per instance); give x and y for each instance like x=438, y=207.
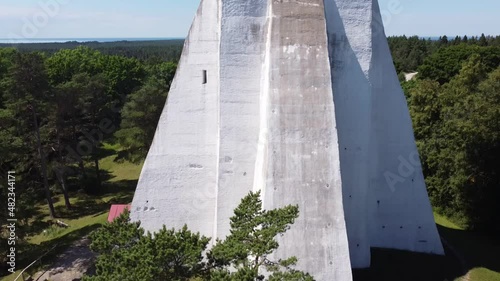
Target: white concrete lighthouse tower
x=298, y=99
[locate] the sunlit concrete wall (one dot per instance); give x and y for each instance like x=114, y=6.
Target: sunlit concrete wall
x=242, y=55
x=177, y=184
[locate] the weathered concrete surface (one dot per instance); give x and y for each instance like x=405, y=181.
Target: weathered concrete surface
x=302, y=102
x=177, y=184
x=303, y=155
x=350, y=55
x=242, y=49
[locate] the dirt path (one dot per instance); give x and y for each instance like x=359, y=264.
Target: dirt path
x=70, y=265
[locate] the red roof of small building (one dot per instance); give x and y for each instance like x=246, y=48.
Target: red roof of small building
x=116, y=211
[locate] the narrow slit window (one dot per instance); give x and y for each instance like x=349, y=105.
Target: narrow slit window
x=204, y=77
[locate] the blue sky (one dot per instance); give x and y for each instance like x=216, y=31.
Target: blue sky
x=172, y=18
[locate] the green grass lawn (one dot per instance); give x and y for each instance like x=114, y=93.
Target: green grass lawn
x=87, y=213
x=483, y=274
x=121, y=170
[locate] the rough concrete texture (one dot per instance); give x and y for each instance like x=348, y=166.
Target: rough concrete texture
x=242, y=48
x=178, y=182
x=401, y=215
x=303, y=156
x=302, y=102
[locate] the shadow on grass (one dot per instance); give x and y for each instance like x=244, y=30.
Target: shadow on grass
x=467, y=251
x=123, y=186
x=82, y=208
x=116, y=192
x=126, y=156
x=106, y=152
x=395, y=265
x=89, y=183
x=476, y=249
x=119, y=192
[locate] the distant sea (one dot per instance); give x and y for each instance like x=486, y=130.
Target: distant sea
x=63, y=40
x=105, y=40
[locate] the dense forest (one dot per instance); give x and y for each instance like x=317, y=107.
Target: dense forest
x=149, y=51
x=409, y=53
x=455, y=107
x=60, y=102
x=56, y=111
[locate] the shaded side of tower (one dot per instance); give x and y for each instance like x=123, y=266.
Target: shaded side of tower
x=385, y=197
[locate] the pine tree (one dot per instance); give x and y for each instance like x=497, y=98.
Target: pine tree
x=126, y=252
x=252, y=240
x=25, y=98
x=443, y=40
x=142, y=111
x=483, y=41
x=96, y=107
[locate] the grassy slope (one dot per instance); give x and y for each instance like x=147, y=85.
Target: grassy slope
x=87, y=214
x=483, y=274
x=480, y=253
x=120, y=171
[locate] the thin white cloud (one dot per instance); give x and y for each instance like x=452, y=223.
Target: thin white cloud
x=108, y=17
x=16, y=12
